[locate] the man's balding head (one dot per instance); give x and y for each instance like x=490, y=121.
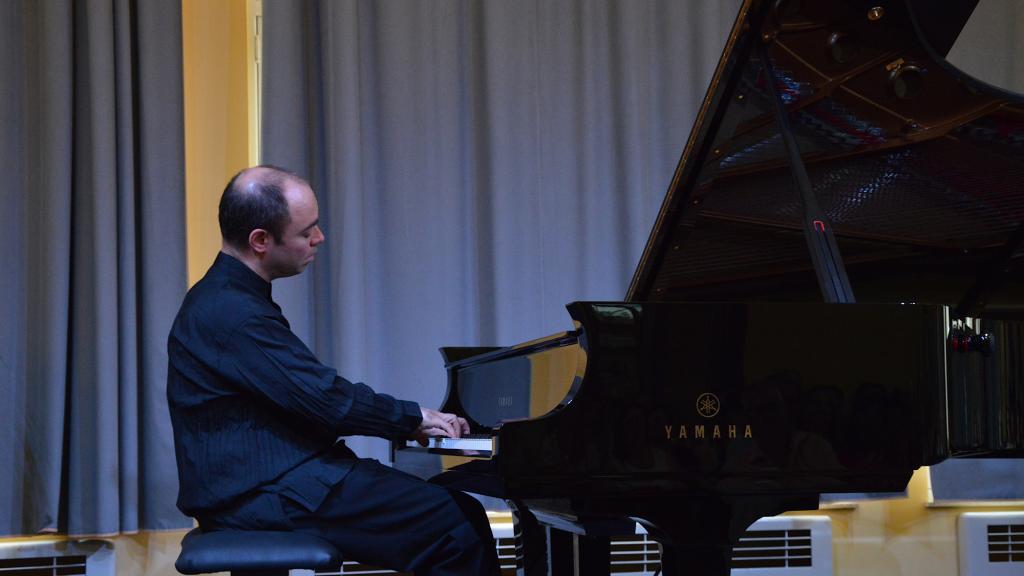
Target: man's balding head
x=255, y=199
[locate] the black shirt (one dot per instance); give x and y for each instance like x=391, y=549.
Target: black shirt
x=251, y=406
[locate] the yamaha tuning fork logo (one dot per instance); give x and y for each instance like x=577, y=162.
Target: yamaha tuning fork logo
x=708, y=406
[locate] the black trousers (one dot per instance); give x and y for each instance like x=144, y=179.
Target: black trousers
x=384, y=517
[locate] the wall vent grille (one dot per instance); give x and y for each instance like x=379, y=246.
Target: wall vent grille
x=634, y=555
x=507, y=555
x=991, y=543
x=785, y=546
x=773, y=549
x=43, y=566
x=57, y=557
x=1006, y=543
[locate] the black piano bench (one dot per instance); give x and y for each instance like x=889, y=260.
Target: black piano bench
x=254, y=553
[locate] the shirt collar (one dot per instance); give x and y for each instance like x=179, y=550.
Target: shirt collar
x=237, y=270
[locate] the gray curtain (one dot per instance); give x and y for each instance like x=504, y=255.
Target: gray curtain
x=479, y=164
x=981, y=479
x=91, y=152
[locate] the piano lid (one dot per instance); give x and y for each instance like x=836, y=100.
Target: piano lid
x=918, y=167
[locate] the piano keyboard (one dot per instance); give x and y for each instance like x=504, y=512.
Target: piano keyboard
x=483, y=443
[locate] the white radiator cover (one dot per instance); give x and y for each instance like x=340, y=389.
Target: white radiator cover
x=818, y=555
x=85, y=557
x=991, y=543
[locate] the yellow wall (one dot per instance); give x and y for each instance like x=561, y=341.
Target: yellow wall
x=218, y=124
x=903, y=537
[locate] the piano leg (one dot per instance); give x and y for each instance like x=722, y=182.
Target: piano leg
x=560, y=551
x=547, y=551
x=696, y=534
x=592, y=555
x=704, y=561
x=571, y=554
x=531, y=542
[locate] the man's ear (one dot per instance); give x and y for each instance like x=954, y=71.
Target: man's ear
x=258, y=240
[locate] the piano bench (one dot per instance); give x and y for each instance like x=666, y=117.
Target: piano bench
x=254, y=552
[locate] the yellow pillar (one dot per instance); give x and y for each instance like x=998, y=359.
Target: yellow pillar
x=218, y=50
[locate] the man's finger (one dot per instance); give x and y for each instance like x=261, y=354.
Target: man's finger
x=443, y=427
x=449, y=429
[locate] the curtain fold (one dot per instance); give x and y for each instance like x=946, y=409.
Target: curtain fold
x=93, y=140
x=479, y=165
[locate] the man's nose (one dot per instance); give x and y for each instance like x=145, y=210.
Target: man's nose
x=319, y=236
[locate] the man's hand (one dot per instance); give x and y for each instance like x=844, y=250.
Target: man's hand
x=439, y=424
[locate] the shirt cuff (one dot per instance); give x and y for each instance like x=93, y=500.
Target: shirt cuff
x=412, y=417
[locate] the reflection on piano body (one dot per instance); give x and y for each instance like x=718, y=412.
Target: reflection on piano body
x=836, y=153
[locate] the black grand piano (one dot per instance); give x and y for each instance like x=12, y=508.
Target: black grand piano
x=832, y=297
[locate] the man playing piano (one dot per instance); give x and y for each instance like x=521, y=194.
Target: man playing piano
x=257, y=417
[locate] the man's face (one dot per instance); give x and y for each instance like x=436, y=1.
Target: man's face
x=301, y=236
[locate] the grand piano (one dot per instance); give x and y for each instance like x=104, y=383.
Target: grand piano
x=832, y=297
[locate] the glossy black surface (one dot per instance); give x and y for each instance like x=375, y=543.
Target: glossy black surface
x=787, y=420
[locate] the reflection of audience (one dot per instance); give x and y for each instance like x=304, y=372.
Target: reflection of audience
x=783, y=441
x=878, y=430
x=866, y=430
x=771, y=418
x=632, y=444
x=821, y=412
